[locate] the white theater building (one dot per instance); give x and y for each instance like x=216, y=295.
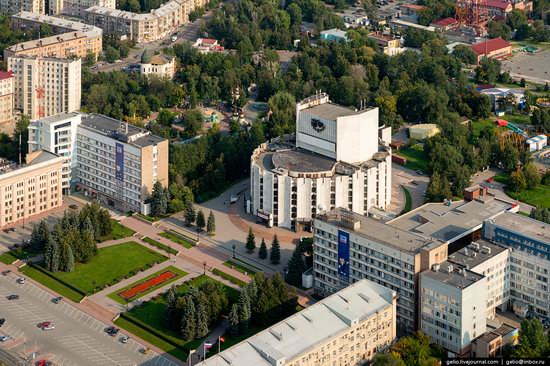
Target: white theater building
x=338, y=157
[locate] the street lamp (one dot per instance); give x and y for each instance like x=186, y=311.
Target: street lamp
x=204, y=267
x=233, y=246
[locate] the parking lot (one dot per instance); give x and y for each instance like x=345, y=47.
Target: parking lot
x=533, y=67
x=78, y=339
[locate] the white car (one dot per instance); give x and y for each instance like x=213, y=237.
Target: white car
x=21, y=280
x=5, y=338
x=124, y=339
x=49, y=327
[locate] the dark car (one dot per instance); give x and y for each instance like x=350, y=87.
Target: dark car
x=74, y=207
x=7, y=272
x=2, y=321
x=7, y=231
x=112, y=331
x=57, y=300
x=13, y=297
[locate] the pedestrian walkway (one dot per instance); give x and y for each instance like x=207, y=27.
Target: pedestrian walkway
x=212, y=338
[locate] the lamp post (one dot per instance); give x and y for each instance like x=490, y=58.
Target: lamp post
x=204, y=267
x=233, y=246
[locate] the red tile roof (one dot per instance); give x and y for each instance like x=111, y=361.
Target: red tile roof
x=413, y=6
x=6, y=74
x=208, y=41
x=489, y=46
x=445, y=22
x=498, y=4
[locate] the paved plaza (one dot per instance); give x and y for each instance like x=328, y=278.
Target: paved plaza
x=534, y=67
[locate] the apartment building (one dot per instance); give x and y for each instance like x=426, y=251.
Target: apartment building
x=349, y=247
x=118, y=163
x=6, y=96
x=67, y=41
x=77, y=7
x=29, y=189
x=57, y=134
x=163, y=66
x=347, y=328
x=142, y=28
x=58, y=78
x=10, y=7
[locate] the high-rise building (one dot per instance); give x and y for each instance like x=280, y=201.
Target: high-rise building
x=6, y=96
x=29, y=189
x=14, y=6
x=339, y=157
x=347, y=328
x=46, y=86
x=118, y=163
x=57, y=134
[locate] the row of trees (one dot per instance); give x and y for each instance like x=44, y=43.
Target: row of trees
x=191, y=216
x=541, y=214
x=415, y=350
x=526, y=177
x=263, y=301
x=73, y=237
x=274, y=253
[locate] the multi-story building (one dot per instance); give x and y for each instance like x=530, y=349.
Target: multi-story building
x=29, y=189
x=147, y=27
x=57, y=134
x=348, y=247
x=58, y=79
x=389, y=44
x=347, y=328
x=118, y=163
x=163, y=66
x=77, y=7
x=335, y=159
x=529, y=241
x=72, y=38
x=14, y=6
x=6, y=96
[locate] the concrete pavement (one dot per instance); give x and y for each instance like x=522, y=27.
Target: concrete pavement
x=497, y=188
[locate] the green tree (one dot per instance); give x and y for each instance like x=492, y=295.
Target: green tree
x=546, y=178
x=532, y=176
x=533, y=340
x=200, y=222
x=192, y=122
x=439, y=189
x=234, y=319
x=262, y=253
x=111, y=54
x=509, y=157
x=387, y=359
x=51, y=255
x=283, y=113
x=541, y=214
x=90, y=59
x=202, y=321
x=488, y=70
x=166, y=117
x=188, y=320
x=159, y=200
x=413, y=350
x=250, y=241
x=245, y=312
x=295, y=268
x=465, y=54
x=189, y=213
x=211, y=224
x=40, y=236
x=69, y=264
x=518, y=183
x=275, y=253
x=506, y=103
x=516, y=19
x=170, y=310
x=499, y=29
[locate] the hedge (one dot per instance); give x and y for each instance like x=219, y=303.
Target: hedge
x=159, y=245
x=228, y=277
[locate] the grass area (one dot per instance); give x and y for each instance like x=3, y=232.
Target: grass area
x=538, y=196
x=159, y=245
x=523, y=213
x=19, y=253
x=179, y=274
x=482, y=124
x=178, y=238
x=51, y=283
x=111, y=265
x=119, y=231
x=522, y=119
x=244, y=268
x=228, y=277
x=408, y=200
x=150, y=218
x=151, y=315
x=416, y=160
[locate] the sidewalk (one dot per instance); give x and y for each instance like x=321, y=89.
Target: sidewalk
x=212, y=338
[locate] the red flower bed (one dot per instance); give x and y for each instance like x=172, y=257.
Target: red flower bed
x=142, y=287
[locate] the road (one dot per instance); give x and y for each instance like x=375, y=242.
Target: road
x=78, y=339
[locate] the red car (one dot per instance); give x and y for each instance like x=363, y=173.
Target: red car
x=490, y=180
x=43, y=363
x=44, y=324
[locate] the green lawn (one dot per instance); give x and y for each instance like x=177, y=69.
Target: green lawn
x=159, y=245
x=151, y=314
x=538, y=196
x=483, y=124
x=110, y=266
x=518, y=118
x=416, y=160
x=119, y=231
x=178, y=238
x=228, y=277
x=149, y=218
x=51, y=283
x=408, y=200
x=241, y=267
x=179, y=274
x=19, y=253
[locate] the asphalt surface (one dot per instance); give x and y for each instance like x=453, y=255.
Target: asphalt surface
x=78, y=339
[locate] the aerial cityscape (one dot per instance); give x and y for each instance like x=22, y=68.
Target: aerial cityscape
x=274, y=183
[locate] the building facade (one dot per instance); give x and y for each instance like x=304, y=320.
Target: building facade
x=10, y=7
x=349, y=247
x=163, y=66
x=492, y=48
x=347, y=328
x=6, y=97
x=334, y=160
x=118, y=163
x=58, y=79
x=57, y=134
x=77, y=7
x=30, y=189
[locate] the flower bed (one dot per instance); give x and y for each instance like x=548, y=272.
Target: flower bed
x=142, y=287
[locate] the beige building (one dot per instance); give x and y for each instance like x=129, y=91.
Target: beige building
x=162, y=66
x=77, y=7
x=423, y=131
x=141, y=28
x=118, y=163
x=29, y=189
x=347, y=328
x=59, y=80
x=14, y=6
x=6, y=97
x=72, y=38
x=388, y=43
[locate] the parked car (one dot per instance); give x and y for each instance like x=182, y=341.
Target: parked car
x=419, y=172
x=7, y=231
x=2, y=321
x=5, y=338
x=74, y=207
x=57, y=300
x=21, y=280
x=6, y=272
x=44, y=363
x=49, y=327
x=43, y=324
x=124, y=339
x=112, y=331
x=13, y=297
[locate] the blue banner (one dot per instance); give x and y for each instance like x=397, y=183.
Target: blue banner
x=343, y=254
x=119, y=162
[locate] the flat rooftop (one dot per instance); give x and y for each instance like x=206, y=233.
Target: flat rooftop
x=527, y=226
x=300, y=160
x=330, y=111
x=35, y=158
x=452, y=275
x=475, y=253
x=58, y=117
x=378, y=231
x=69, y=24
x=450, y=222
x=303, y=331
x=111, y=127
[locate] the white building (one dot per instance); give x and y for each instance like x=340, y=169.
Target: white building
x=163, y=66
x=77, y=7
x=46, y=86
x=57, y=134
x=337, y=158
x=495, y=94
x=347, y=328
x=10, y=7
x=6, y=97
x=537, y=143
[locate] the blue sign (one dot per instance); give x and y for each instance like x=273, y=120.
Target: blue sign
x=343, y=254
x=119, y=173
